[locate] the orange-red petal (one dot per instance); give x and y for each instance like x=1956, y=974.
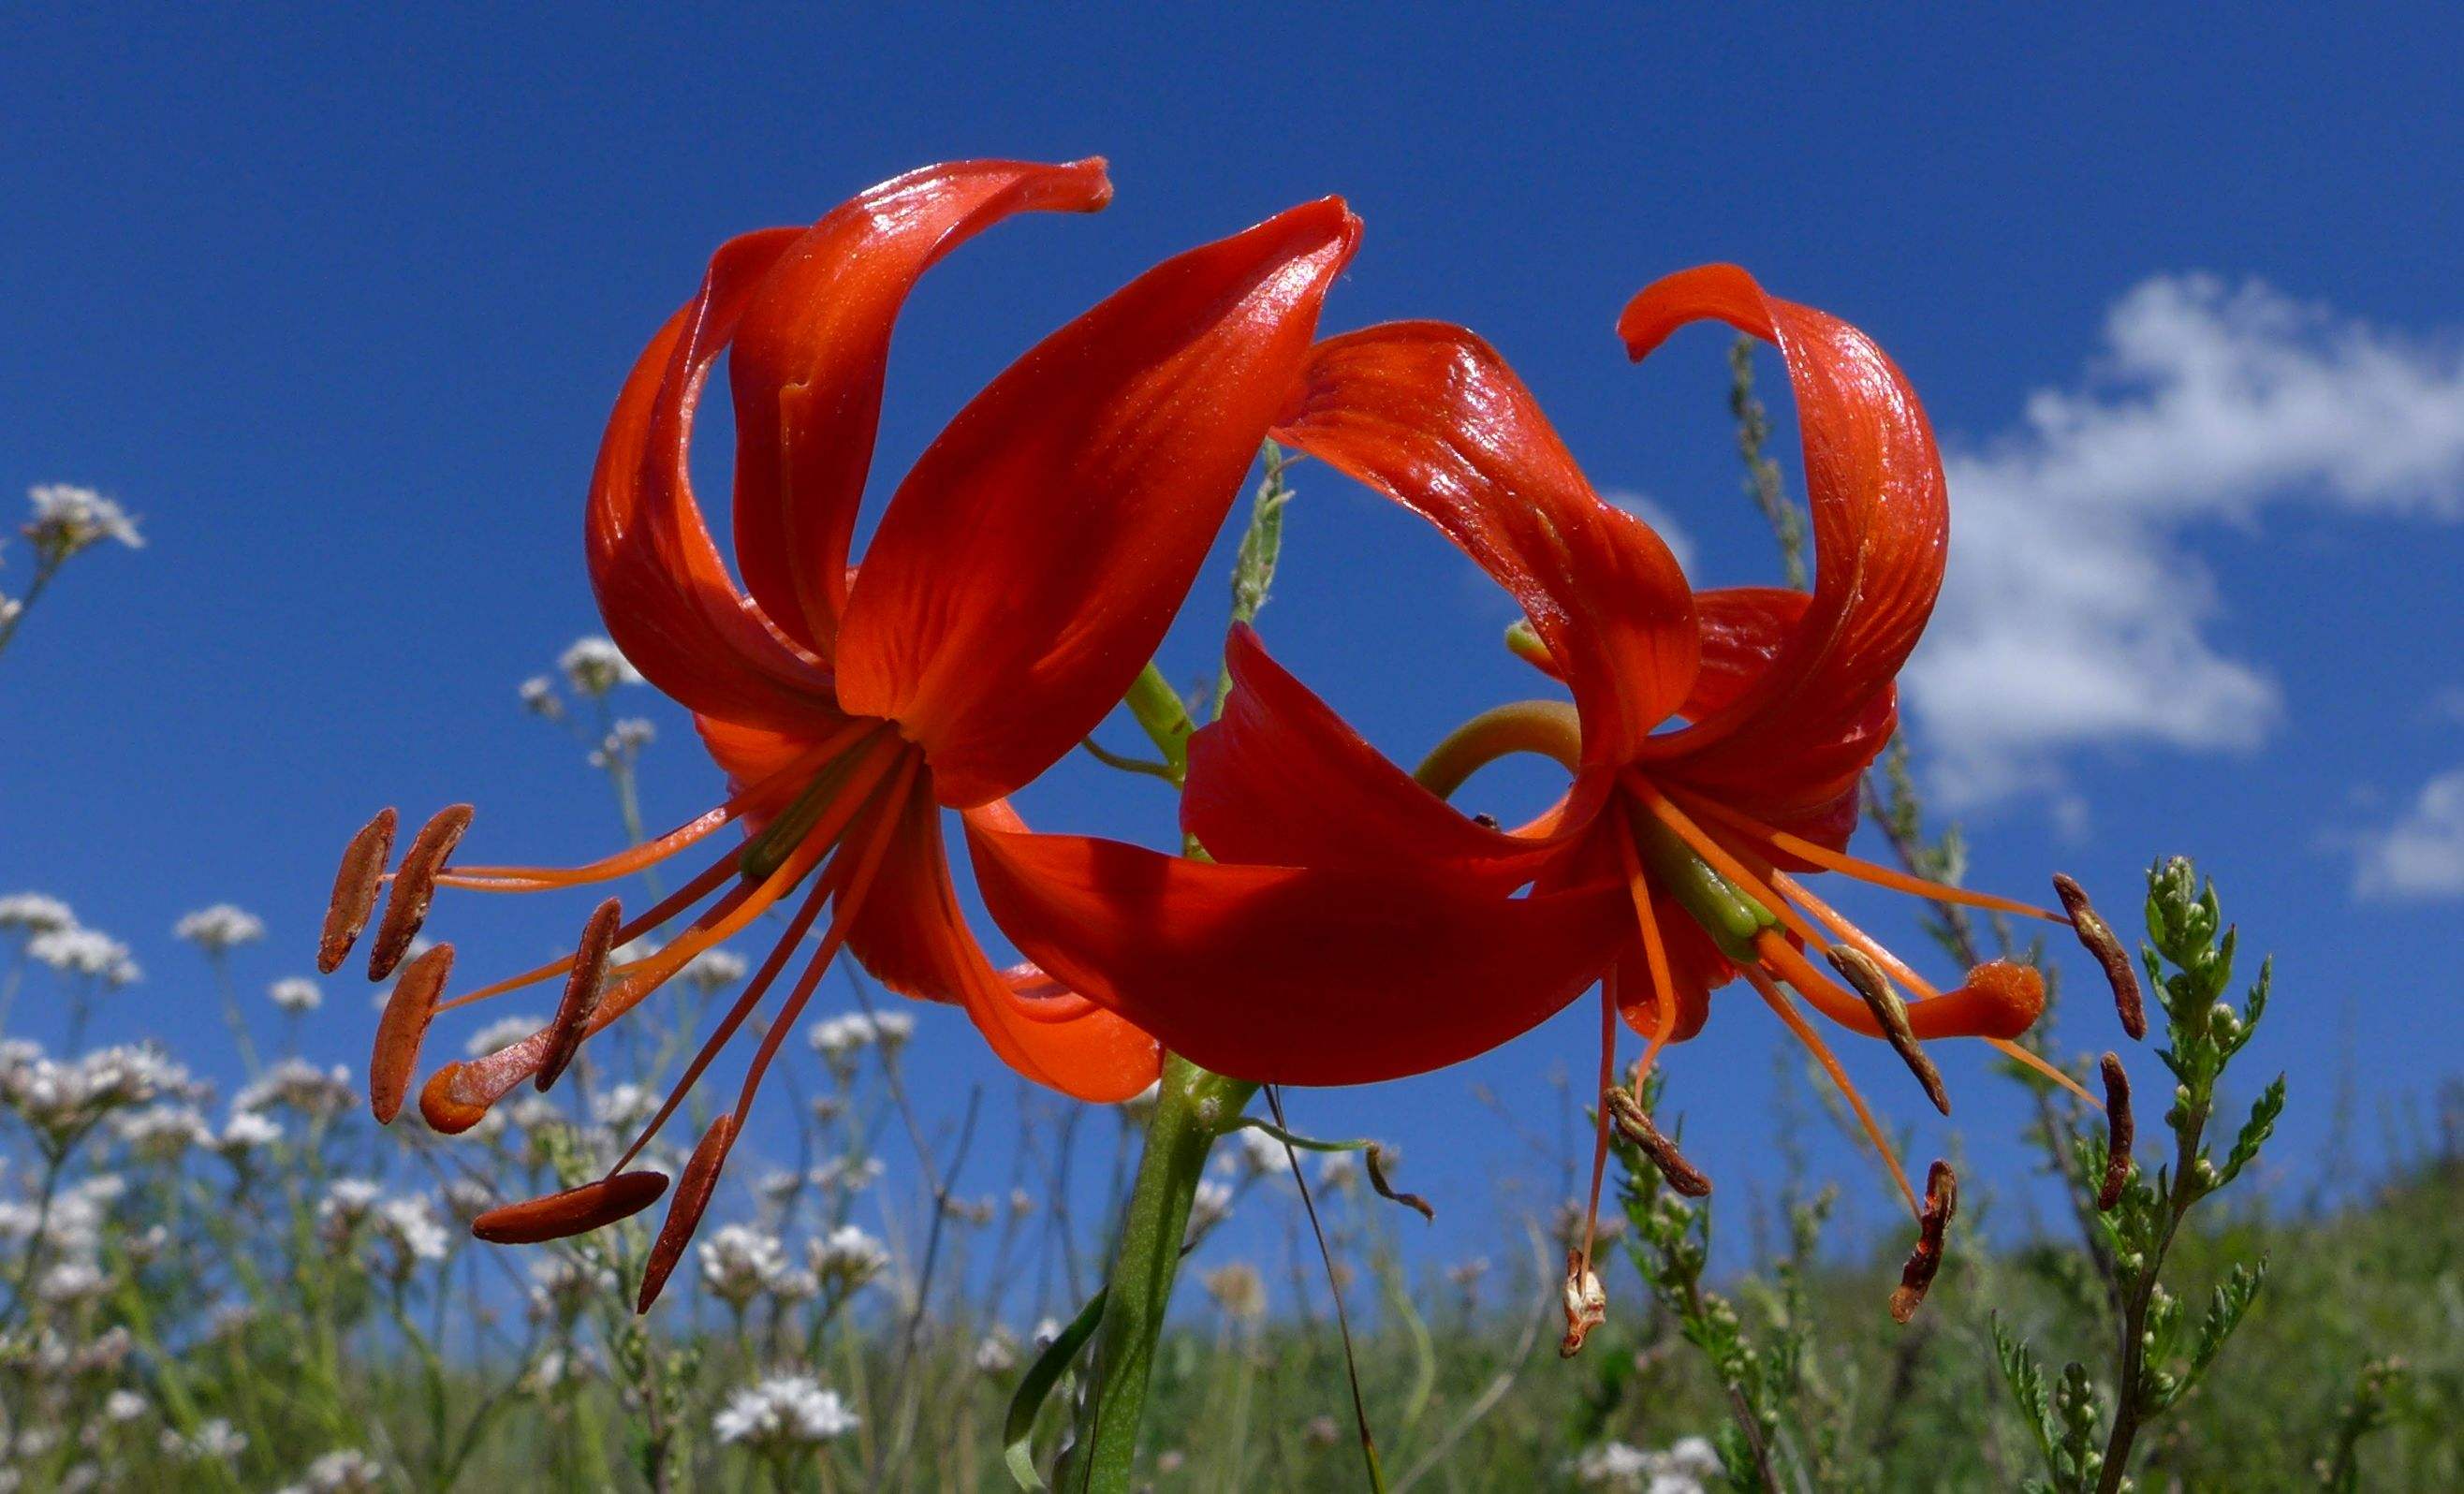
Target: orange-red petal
x=1033, y=558
x=809, y=357
x=912, y=933
x=1280, y=780
x=1284, y=975
x=1874, y=484
x=663, y=589
x=1431, y=416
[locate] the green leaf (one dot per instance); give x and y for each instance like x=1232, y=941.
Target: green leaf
x=1026, y=1402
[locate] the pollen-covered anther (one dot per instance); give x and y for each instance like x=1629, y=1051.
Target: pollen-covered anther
x=1941, y=1202
x=1634, y=1123
x=401, y=1029
x=2121, y=1134
x=574, y=1210
x=581, y=990
x=355, y=890
x=2098, y=938
x=1866, y=978
x=2000, y=999
x=1587, y=1304
x=414, y=887
x=693, y=1189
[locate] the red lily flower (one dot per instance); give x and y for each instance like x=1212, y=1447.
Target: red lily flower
x=1019, y=579
x=1716, y=741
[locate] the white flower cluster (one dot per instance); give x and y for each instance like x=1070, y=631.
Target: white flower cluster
x=782, y=1415
x=68, y=518
x=57, y=939
x=399, y=1232
x=839, y=1038
x=35, y=913
x=297, y=994
x=847, y=1173
x=1689, y=1466
x=624, y=741
x=539, y=698
x=344, y=1471
x=216, y=1440
x=846, y=1257
x=220, y=927
x=714, y=970
x=503, y=1032
x=295, y=1083
x=596, y=666
x=162, y=1132
x=60, y=1099
x=738, y=1263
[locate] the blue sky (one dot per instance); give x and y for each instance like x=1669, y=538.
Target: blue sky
x=338, y=305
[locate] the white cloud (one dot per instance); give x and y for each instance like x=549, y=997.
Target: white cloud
x=2422, y=853
x=2073, y=614
x=1651, y=511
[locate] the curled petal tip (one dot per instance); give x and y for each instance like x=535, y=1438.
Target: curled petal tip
x=1725, y=291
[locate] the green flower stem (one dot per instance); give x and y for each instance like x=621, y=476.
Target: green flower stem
x=1163, y=716
x=1193, y=1107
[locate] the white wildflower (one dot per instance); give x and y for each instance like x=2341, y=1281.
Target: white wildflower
x=714, y=970
x=846, y=1257
x=1209, y=1206
x=71, y=1282
x=85, y=951
x=162, y=1132
x=890, y=1029
x=295, y=1083
x=839, y=1038
x=216, y=1440
x=123, y=1406
x=220, y=927
x=625, y=1106
x=783, y=1415
x=68, y=518
x=245, y=1132
x=342, y=1472
x=1048, y=1332
x=624, y=741
x=35, y=913
x=297, y=993
x=848, y=1173
x=738, y=1263
x=539, y=698
x=996, y=1353
x=409, y=1230
x=596, y=666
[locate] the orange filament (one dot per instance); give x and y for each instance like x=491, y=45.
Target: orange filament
x=1601, y=1122
x=1804, y=1030
x=1654, y=955
x=1851, y=866
x=1721, y=861
x=675, y=902
x=651, y=853
x=1918, y=987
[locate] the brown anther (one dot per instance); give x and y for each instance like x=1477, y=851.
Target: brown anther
x=1387, y=1191
x=1891, y=1014
x=1634, y=1123
x=582, y=991
x=1587, y=1305
x=1941, y=1202
x=683, y=1214
x=573, y=1211
x=408, y=1012
x=355, y=890
x=2098, y=938
x=446, y=1113
x=2121, y=1134
x=414, y=887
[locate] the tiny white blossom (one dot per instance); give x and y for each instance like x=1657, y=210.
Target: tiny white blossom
x=846, y=1257
x=85, y=951
x=318, y=1093
x=850, y=1175
x=344, y=1471
x=782, y=1415
x=839, y=1038
x=1209, y=1206
x=35, y=913
x=220, y=927
x=245, y=1132
x=539, y=698
x=71, y=1282
x=161, y=1133
x=297, y=994
x=68, y=518
x=216, y=1440
x=996, y=1353
x=622, y=1106
x=738, y=1263
x=123, y=1406
x=596, y=666
x=714, y=970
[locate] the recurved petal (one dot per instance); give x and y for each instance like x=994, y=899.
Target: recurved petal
x=1031, y=561
x=1280, y=780
x=810, y=357
x=912, y=933
x=1431, y=416
x=1874, y=483
x=1291, y=976
x=663, y=589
